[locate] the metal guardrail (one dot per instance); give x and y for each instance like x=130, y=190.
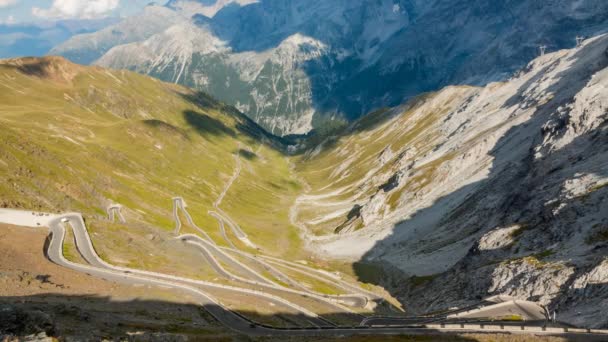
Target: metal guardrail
x=514, y=328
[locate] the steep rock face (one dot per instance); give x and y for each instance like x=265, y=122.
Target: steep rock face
x=495, y=190
x=259, y=84
x=358, y=27
x=375, y=54
x=469, y=42
x=277, y=82
x=166, y=53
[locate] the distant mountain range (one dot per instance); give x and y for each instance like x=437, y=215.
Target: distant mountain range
x=293, y=66
x=36, y=39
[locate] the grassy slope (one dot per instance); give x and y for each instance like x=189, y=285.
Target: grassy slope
x=79, y=138
x=410, y=126
x=361, y=146
x=76, y=138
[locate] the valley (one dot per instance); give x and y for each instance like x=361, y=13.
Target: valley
x=415, y=217
x=129, y=223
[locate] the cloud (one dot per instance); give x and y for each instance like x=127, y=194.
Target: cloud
x=10, y=20
x=82, y=9
x=7, y=3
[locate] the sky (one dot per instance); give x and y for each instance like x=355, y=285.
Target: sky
x=28, y=11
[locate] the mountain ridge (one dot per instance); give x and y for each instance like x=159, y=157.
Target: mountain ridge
x=381, y=44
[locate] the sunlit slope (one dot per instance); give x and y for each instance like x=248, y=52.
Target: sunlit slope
x=517, y=169
x=363, y=162
x=80, y=138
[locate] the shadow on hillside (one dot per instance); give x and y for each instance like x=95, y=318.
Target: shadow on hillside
x=201, y=99
x=85, y=317
x=331, y=138
x=37, y=67
x=446, y=233
x=247, y=154
x=205, y=124
x=166, y=127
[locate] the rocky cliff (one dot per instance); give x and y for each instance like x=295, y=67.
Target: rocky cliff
x=477, y=191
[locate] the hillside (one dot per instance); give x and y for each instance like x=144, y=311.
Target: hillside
x=82, y=138
x=475, y=191
x=169, y=181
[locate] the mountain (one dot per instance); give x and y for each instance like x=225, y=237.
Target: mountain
x=36, y=39
x=255, y=83
x=87, y=48
x=208, y=8
x=475, y=191
x=171, y=161
x=453, y=196
x=294, y=66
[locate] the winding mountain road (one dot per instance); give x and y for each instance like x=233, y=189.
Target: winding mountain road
x=234, y=320
x=210, y=250
x=176, y=206
x=222, y=229
x=313, y=272
x=116, y=210
x=85, y=247
x=180, y=204
x=336, y=303
x=196, y=241
x=238, y=232
x=227, y=317
x=358, y=299
x=354, y=300
x=99, y=269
